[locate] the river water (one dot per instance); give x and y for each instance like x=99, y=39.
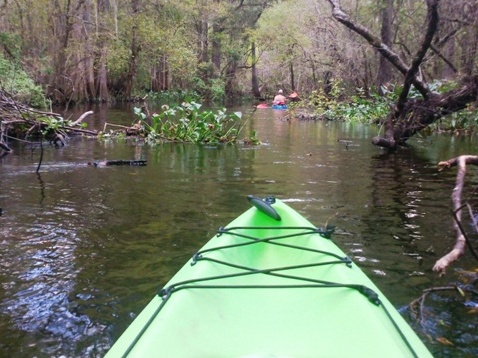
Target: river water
x=83, y=249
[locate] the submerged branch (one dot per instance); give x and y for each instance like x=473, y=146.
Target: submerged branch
x=417, y=306
x=461, y=240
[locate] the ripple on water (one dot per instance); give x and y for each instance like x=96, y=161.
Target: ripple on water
x=38, y=264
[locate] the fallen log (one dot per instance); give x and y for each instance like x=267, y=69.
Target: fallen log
x=106, y=163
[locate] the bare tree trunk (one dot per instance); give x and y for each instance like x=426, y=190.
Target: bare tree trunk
x=419, y=114
x=164, y=73
x=327, y=83
x=469, y=41
x=204, y=41
x=313, y=69
x=216, y=49
x=449, y=70
x=155, y=79
x=256, y=92
x=230, y=76
x=102, y=77
x=79, y=72
x=202, y=27
x=135, y=49
x=385, y=67
x=89, y=51
x=101, y=81
x=160, y=75
x=292, y=75
x=63, y=26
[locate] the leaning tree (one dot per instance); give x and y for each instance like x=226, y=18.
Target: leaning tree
x=409, y=115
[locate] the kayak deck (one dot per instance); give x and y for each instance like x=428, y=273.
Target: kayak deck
x=265, y=287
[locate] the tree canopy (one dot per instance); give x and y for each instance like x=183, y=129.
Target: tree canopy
x=98, y=50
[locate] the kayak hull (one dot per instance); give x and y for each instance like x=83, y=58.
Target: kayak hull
x=274, y=288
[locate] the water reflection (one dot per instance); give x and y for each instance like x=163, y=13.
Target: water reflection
x=83, y=249
x=41, y=232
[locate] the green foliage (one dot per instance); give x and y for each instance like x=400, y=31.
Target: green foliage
x=174, y=97
x=17, y=82
x=253, y=139
x=56, y=123
x=12, y=44
x=357, y=108
x=41, y=125
x=216, y=90
x=362, y=110
x=173, y=40
x=437, y=86
x=186, y=123
x=118, y=55
x=211, y=89
x=463, y=121
x=373, y=108
x=289, y=33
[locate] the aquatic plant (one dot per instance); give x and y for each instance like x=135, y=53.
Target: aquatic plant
x=187, y=123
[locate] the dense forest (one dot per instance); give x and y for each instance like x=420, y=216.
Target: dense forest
x=103, y=50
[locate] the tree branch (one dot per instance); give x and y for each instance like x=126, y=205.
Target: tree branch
x=5, y=147
x=446, y=60
x=459, y=248
x=83, y=116
x=432, y=25
x=377, y=44
x=417, y=306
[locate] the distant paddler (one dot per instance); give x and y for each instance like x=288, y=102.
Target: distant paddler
x=279, y=99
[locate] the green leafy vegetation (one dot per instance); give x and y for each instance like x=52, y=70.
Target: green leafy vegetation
x=372, y=108
x=212, y=89
x=187, y=123
x=17, y=82
x=463, y=121
x=357, y=107
x=174, y=97
x=52, y=126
